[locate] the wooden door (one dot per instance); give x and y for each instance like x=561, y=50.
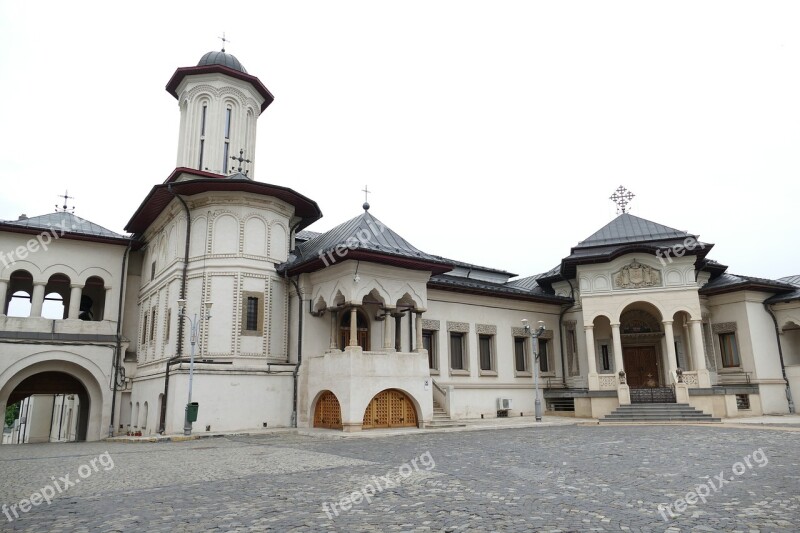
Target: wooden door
x=390, y=409
x=328, y=413
x=641, y=366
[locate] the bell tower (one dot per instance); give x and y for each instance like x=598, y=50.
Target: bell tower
x=220, y=104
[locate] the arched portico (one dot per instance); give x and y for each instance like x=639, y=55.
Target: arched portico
x=61, y=373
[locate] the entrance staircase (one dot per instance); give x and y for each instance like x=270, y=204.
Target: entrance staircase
x=678, y=413
x=441, y=418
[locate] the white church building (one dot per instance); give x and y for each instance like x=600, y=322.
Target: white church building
x=355, y=328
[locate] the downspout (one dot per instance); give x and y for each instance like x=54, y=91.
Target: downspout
x=299, y=348
x=179, y=348
x=115, y=366
x=780, y=354
x=561, y=332
x=299, y=334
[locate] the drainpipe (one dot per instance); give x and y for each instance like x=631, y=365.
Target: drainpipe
x=780, y=354
x=179, y=348
x=299, y=347
x=115, y=365
x=561, y=332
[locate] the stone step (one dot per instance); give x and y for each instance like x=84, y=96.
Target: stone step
x=616, y=416
x=446, y=424
x=658, y=412
x=664, y=421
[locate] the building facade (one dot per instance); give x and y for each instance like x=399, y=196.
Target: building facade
x=221, y=289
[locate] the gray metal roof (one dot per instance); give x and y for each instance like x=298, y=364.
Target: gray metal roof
x=497, y=289
x=726, y=282
x=627, y=228
x=794, y=280
x=789, y=296
x=221, y=58
x=363, y=232
x=306, y=235
x=66, y=222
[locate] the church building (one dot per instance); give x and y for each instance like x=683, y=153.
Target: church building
x=221, y=292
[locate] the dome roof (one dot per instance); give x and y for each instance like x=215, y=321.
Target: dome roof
x=221, y=58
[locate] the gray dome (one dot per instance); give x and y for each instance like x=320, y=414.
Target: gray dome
x=221, y=58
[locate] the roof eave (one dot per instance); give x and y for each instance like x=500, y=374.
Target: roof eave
x=499, y=294
x=122, y=241
x=181, y=73
x=319, y=262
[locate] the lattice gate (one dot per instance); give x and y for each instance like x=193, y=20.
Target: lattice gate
x=390, y=409
x=328, y=413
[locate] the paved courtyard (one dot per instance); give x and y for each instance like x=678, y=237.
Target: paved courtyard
x=567, y=478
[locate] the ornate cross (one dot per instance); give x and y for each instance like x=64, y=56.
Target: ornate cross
x=241, y=160
x=366, y=192
x=224, y=40
x=622, y=197
x=64, y=207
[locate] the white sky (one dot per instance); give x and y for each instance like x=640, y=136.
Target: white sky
x=489, y=132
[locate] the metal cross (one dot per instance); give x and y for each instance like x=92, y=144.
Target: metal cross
x=224, y=40
x=241, y=160
x=366, y=192
x=66, y=197
x=622, y=197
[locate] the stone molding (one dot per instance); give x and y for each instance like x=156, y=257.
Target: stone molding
x=636, y=276
x=433, y=325
x=459, y=327
x=724, y=327
x=485, y=329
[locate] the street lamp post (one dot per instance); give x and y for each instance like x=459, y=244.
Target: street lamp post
x=194, y=327
x=535, y=344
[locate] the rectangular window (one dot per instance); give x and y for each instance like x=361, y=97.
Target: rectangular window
x=228, y=123
x=572, y=353
x=252, y=314
x=153, y=324
x=520, y=354
x=152, y=271
x=730, y=352
x=605, y=358
x=144, y=329
x=202, y=149
x=544, y=356
x=742, y=402
x=429, y=343
x=203, y=121
x=167, y=325
x=457, y=351
x=485, y=351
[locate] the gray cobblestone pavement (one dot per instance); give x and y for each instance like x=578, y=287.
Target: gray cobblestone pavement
x=572, y=478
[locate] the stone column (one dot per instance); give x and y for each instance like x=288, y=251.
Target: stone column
x=353, y=326
x=74, y=301
x=617, y=339
x=388, y=346
x=669, y=340
x=688, y=350
x=3, y=294
x=108, y=306
x=703, y=378
x=37, y=299
x=594, y=381
x=398, y=331
x=334, y=331
x=418, y=327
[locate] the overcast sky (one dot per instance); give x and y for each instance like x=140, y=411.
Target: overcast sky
x=490, y=132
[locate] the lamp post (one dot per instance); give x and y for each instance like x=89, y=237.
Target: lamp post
x=194, y=327
x=535, y=343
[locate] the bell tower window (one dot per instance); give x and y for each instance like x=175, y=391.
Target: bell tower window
x=202, y=136
x=227, y=140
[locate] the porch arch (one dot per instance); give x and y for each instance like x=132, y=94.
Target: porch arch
x=327, y=411
x=391, y=408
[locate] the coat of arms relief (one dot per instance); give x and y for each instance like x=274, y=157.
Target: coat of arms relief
x=636, y=276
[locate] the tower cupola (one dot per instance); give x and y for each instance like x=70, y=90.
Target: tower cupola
x=220, y=104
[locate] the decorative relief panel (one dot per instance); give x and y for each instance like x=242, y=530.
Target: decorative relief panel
x=518, y=332
x=433, y=325
x=724, y=327
x=485, y=329
x=637, y=276
x=461, y=327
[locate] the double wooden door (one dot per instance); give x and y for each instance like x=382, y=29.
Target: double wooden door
x=641, y=366
x=390, y=409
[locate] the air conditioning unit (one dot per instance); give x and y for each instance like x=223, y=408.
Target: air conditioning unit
x=503, y=404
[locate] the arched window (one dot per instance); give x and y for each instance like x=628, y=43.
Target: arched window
x=53, y=306
x=56, y=300
x=93, y=299
x=20, y=290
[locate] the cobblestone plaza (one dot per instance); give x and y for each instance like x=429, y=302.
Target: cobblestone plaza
x=568, y=478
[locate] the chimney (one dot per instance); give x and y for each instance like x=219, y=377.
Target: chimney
x=23, y=216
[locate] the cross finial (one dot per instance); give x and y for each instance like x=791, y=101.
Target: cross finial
x=366, y=192
x=241, y=160
x=64, y=207
x=224, y=40
x=622, y=197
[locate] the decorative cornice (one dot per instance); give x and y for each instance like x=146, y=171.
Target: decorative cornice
x=724, y=327
x=460, y=327
x=433, y=325
x=485, y=329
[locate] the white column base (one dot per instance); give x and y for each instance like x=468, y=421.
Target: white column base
x=624, y=395
x=594, y=381
x=681, y=393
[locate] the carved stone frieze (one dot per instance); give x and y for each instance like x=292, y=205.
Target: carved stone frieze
x=637, y=276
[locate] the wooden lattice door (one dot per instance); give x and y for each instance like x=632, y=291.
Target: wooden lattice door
x=328, y=413
x=390, y=409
